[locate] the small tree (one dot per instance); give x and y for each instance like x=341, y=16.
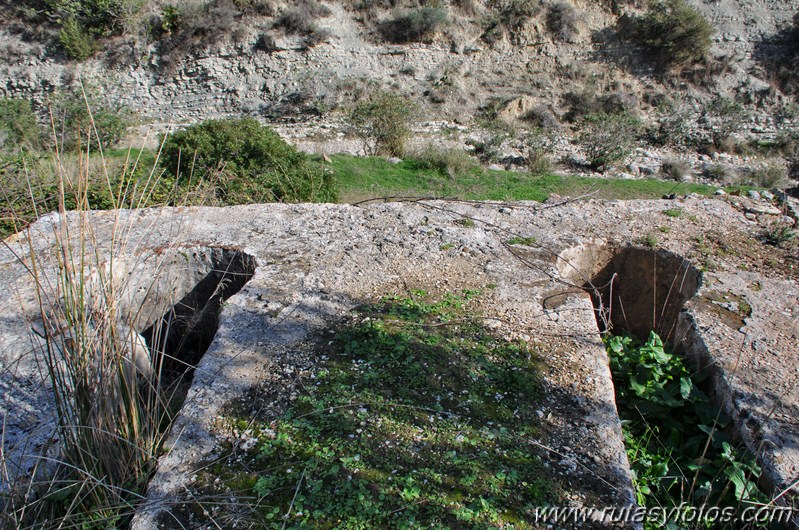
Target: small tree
x=414, y=26
x=608, y=138
x=674, y=32
x=249, y=162
x=19, y=130
x=80, y=115
x=383, y=123
x=727, y=117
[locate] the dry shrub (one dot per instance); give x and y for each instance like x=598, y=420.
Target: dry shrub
x=299, y=19
x=190, y=28
x=415, y=25
x=770, y=175
x=562, y=21
x=541, y=116
x=451, y=161
x=675, y=169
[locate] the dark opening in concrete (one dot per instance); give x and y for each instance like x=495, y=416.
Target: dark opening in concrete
x=181, y=336
x=640, y=290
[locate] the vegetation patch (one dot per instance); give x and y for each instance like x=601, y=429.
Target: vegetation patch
x=673, y=32
x=383, y=123
x=675, y=437
x=361, y=178
x=415, y=25
x=608, y=138
x=419, y=416
x=248, y=162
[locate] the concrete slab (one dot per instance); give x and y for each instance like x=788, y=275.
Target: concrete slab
x=313, y=263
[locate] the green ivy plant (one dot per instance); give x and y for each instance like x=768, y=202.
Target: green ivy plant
x=675, y=436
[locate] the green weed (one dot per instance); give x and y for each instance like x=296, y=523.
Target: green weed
x=676, y=443
x=673, y=212
x=419, y=417
x=369, y=177
x=649, y=240
x=518, y=240
x=778, y=234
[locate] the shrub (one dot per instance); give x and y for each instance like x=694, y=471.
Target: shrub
x=541, y=116
x=675, y=169
x=608, y=138
x=538, y=144
x=84, y=21
x=250, y=163
x=489, y=149
x=510, y=15
x=315, y=38
x=383, y=123
x=716, y=172
x=299, y=20
x=514, y=14
x=727, y=118
x=450, y=161
x=293, y=21
x=77, y=43
x=192, y=27
x=772, y=175
x=19, y=130
x=467, y=6
x=779, y=55
x=81, y=116
x=580, y=102
x=674, y=33
x=258, y=7
x=618, y=102
x=673, y=126
x=778, y=235
x=562, y=21
x=413, y=26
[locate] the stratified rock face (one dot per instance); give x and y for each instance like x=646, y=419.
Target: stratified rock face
x=457, y=72
x=304, y=267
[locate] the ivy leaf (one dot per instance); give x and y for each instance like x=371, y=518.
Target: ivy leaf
x=736, y=476
x=685, y=387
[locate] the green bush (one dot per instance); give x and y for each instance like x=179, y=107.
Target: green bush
x=608, y=138
x=82, y=115
x=450, y=161
x=19, y=130
x=674, y=33
x=77, y=43
x=383, y=123
x=84, y=21
x=248, y=161
x=674, y=435
x=728, y=117
x=413, y=26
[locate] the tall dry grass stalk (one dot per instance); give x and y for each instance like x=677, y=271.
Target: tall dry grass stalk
x=108, y=401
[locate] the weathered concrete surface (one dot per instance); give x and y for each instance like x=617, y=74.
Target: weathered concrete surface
x=315, y=262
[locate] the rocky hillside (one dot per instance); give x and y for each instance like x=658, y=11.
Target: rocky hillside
x=544, y=63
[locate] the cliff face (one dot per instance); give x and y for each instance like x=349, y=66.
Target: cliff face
x=259, y=70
